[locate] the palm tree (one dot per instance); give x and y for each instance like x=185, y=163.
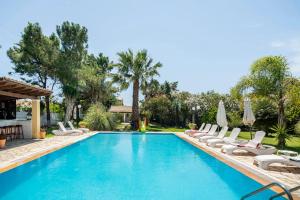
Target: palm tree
x=135, y=69
x=269, y=77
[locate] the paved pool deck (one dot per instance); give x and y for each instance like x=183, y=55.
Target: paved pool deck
x=21, y=151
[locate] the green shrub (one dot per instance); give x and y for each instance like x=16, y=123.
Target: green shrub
x=282, y=135
x=209, y=116
x=235, y=119
x=98, y=119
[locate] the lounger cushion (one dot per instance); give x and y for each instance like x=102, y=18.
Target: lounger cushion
x=213, y=142
x=263, y=161
x=269, y=158
x=198, y=135
x=206, y=137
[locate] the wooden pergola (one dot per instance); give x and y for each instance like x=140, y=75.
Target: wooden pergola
x=11, y=89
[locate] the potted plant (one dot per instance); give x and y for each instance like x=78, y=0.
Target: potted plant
x=2, y=141
x=192, y=126
x=42, y=133
x=82, y=124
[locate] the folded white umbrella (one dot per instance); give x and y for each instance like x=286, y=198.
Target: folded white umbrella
x=248, y=118
x=221, y=115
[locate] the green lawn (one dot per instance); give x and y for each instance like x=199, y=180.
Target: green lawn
x=292, y=144
x=49, y=130
x=158, y=128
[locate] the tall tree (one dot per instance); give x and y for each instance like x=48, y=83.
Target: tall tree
x=35, y=58
x=269, y=77
x=95, y=85
x=73, y=39
x=135, y=69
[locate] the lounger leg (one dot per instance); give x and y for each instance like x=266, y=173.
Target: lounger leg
x=227, y=151
x=263, y=165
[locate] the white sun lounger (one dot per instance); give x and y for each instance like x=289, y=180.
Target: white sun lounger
x=205, y=130
x=194, y=131
x=264, y=161
x=85, y=130
x=253, y=146
x=211, y=132
x=63, y=131
x=231, y=139
x=221, y=135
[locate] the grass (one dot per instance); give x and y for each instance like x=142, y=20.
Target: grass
x=292, y=144
x=49, y=130
x=158, y=128
x=151, y=127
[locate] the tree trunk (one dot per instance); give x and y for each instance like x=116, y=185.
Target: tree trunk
x=70, y=102
x=77, y=115
x=47, y=99
x=281, y=119
x=135, y=105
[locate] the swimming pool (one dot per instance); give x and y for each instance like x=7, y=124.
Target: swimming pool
x=127, y=166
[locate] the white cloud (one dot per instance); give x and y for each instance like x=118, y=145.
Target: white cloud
x=290, y=48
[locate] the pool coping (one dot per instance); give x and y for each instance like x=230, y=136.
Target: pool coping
x=245, y=169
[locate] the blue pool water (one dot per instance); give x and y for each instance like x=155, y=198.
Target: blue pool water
x=127, y=166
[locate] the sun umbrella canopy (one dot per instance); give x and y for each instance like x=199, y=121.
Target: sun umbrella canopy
x=248, y=118
x=221, y=115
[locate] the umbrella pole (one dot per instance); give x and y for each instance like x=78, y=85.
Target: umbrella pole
x=250, y=130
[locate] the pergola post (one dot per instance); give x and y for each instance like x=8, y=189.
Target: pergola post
x=124, y=117
x=35, y=120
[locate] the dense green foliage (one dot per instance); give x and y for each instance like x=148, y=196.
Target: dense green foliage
x=94, y=85
x=234, y=119
x=97, y=118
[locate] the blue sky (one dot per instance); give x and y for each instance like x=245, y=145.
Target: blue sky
x=204, y=45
